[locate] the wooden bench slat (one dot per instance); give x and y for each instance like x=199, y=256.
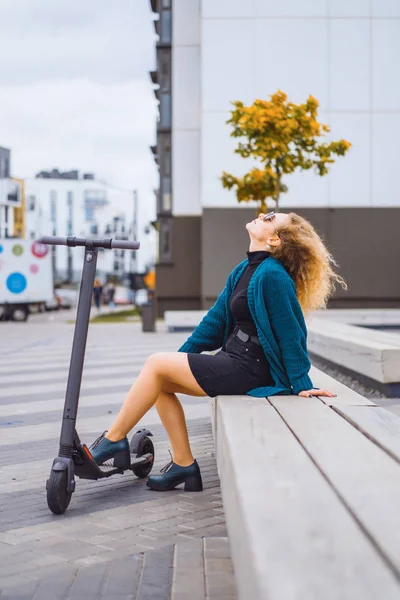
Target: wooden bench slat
x=379, y=424
x=291, y=537
x=345, y=395
x=363, y=474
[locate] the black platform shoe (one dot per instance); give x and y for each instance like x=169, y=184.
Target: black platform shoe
x=173, y=475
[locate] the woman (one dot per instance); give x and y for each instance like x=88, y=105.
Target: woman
x=257, y=320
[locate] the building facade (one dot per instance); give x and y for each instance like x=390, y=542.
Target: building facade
x=12, y=201
x=67, y=204
x=212, y=52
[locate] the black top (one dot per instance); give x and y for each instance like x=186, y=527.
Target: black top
x=238, y=302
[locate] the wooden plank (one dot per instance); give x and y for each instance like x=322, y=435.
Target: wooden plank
x=378, y=424
x=365, y=477
x=345, y=395
x=291, y=537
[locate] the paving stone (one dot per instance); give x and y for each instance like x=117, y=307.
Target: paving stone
x=163, y=557
x=155, y=583
x=188, y=585
x=216, y=547
x=89, y=581
x=17, y=587
x=55, y=587
x=123, y=577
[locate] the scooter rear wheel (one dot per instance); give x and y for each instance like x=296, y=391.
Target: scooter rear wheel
x=143, y=470
x=57, y=497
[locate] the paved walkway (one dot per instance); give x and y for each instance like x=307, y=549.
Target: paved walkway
x=118, y=539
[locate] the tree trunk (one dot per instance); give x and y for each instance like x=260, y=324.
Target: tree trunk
x=262, y=208
x=277, y=190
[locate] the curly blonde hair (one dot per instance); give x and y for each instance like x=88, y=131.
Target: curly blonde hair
x=308, y=262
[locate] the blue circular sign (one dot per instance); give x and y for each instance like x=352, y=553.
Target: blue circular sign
x=16, y=283
x=1, y=248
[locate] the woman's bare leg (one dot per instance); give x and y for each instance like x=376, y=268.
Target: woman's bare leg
x=161, y=370
x=172, y=416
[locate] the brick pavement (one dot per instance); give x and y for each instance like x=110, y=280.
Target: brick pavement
x=118, y=539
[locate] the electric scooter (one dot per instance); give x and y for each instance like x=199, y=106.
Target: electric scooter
x=74, y=457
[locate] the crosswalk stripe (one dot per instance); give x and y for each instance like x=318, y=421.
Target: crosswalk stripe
x=89, y=426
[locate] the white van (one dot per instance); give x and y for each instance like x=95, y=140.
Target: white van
x=26, y=277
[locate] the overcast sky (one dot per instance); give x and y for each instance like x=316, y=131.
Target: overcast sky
x=75, y=90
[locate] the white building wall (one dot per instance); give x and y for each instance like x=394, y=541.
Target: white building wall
x=186, y=107
x=39, y=221
x=343, y=52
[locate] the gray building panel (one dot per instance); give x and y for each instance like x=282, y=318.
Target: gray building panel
x=5, y=160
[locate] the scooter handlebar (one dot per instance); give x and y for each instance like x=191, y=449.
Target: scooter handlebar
x=73, y=241
x=125, y=245
x=53, y=241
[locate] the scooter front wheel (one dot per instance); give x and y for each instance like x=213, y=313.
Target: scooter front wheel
x=57, y=497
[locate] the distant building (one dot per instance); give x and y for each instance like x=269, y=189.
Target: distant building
x=11, y=200
x=211, y=52
x=65, y=204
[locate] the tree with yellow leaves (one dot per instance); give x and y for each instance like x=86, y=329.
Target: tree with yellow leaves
x=281, y=137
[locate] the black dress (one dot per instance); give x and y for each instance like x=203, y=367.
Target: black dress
x=241, y=366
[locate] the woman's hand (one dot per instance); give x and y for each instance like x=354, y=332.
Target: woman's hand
x=310, y=393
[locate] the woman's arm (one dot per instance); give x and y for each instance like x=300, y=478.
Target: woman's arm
x=209, y=333
x=288, y=326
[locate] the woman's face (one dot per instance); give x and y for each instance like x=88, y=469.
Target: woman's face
x=265, y=231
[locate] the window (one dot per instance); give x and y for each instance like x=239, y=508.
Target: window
x=89, y=213
x=14, y=192
x=158, y=200
x=165, y=110
x=53, y=210
x=31, y=203
x=166, y=28
x=95, y=198
x=164, y=69
x=166, y=204
x=94, y=229
x=70, y=202
x=164, y=141
x=4, y=163
x=165, y=248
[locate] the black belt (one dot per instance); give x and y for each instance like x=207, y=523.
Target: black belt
x=245, y=337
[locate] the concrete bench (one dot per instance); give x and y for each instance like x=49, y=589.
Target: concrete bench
x=183, y=320
x=367, y=317
x=311, y=492
x=374, y=355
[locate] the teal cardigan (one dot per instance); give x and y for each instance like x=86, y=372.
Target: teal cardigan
x=280, y=325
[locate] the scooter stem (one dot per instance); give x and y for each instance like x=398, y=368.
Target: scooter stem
x=78, y=352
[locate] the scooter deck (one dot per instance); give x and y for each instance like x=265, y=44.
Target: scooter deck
x=87, y=468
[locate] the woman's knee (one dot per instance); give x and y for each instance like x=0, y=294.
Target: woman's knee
x=156, y=360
